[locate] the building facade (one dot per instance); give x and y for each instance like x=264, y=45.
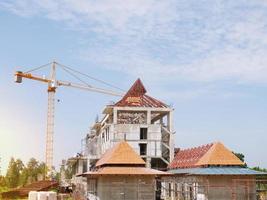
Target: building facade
x=143, y=121
x=120, y=174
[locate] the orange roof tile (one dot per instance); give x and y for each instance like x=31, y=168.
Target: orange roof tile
x=136, y=97
x=125, y=171
x=218, y=154
x=210, y=154
x=120, y=154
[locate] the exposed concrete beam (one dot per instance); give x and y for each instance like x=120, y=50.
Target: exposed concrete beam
x=158, y=117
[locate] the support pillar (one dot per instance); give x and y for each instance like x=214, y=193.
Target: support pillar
x=148, y=162
x=115, y=116
x=170, y=128
x=148, y=117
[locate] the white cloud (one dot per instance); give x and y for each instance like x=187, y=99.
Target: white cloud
x=192, y=40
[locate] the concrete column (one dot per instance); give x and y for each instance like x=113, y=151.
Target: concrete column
x=148, y=117
x=88, y=164
x=148, y=162
x=80, y=166
x=170, y=121
x=115, y=115
x=170, y=127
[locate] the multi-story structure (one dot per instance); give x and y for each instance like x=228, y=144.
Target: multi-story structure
x=144, y=122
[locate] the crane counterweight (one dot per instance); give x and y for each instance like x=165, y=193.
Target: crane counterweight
x=18, y=79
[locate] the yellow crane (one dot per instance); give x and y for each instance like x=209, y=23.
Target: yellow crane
x=53, y=84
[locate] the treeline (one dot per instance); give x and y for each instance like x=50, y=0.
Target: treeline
x=242, y=158
x=20, y=174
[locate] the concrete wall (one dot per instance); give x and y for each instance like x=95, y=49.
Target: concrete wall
x=129, y=132
x=231, y=187
x=124, y=188
x=132, y=134
x=213, y=187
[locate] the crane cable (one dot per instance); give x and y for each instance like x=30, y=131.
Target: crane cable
x=75, y=76
x=90, y=77
x=37, y=68
x=69, y=69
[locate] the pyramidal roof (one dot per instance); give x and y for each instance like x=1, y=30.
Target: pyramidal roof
x=218, y=154
x=136, y=97
x=207, y=155
x=137, y=89
x=120, y=154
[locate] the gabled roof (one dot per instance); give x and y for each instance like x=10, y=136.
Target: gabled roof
x=120, y=154
x=208, y=155
x=136, y=97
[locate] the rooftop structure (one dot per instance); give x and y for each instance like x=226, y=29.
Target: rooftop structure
x=215, y=154
x=209, y=172
x=120, y=154
x=136, y=97
x=143, y=121
x=121, y=174
x=122, y=160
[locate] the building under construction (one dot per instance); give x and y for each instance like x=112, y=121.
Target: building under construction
x=144, y=122
x=121, y=174
x=209, y=172
x=106, y=168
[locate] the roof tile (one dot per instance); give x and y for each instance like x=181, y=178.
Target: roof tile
x=136, y=97
x=120, y=154
x=210, y=154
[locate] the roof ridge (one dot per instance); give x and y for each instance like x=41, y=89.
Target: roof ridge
x=137, y=89
x=197, y=147
x=136, y=97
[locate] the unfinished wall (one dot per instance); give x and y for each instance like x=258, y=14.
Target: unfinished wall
x=231, y=187
x=125, y=187
x=213, y=187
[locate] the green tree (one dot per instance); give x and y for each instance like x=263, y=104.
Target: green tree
x=3, y=186
x=13, y=173
x=24, y=177
x=241, y=156
x=42, y=169
x=2, y=181
x=69, y=171
x=33, y=170
x=259, y=169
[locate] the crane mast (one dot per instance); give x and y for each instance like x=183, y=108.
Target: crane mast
x=50, y=118
x=53, y=83
x=50, y=130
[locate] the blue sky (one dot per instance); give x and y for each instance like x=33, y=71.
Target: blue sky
x=206, y=58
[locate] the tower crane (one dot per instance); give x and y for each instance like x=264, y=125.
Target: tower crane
x=53, y=84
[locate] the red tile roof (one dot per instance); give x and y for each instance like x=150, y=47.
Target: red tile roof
x=206, y=155
x=189, y=157
x=136, y=97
